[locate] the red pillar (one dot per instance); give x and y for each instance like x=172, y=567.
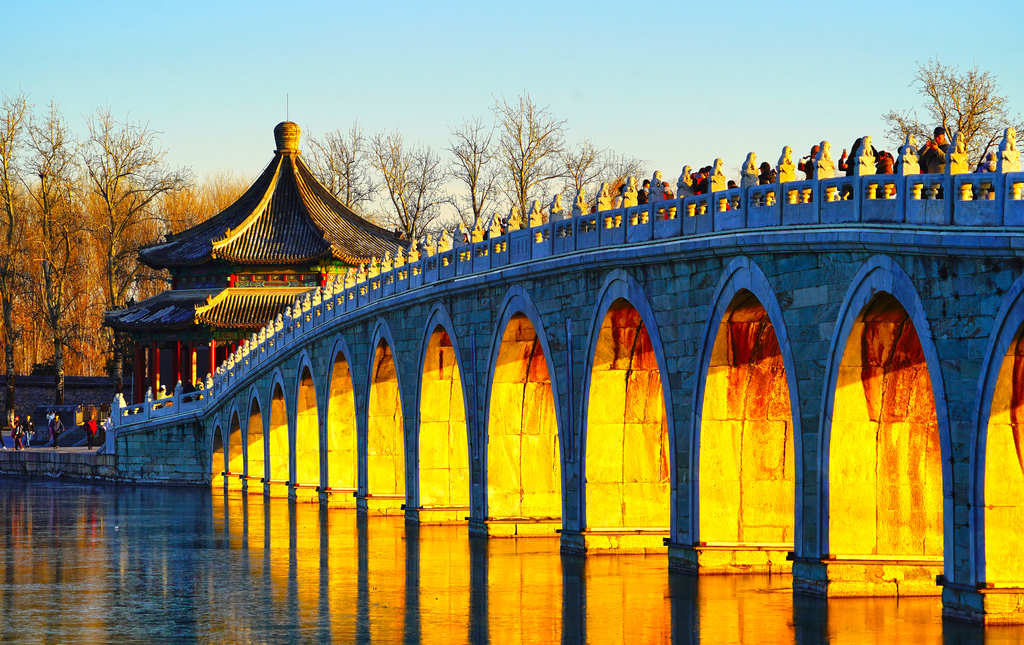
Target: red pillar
x=176, y=364
x=138, y=373
x=154, y=367
x=190, y=363
x=213, y=356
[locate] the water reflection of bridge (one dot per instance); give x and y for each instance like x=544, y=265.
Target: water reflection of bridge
x=809, y=384
x=377, y=579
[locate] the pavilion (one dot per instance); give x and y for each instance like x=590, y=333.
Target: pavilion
x=237, y=270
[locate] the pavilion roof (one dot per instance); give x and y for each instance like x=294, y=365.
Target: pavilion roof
x=236, y=308
x=285, y=217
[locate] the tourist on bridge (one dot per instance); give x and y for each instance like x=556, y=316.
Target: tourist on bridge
x=806, y=164
x=768, y=174
x=90, y=429
x=56, y=427
x=642, y=194
x=847, y=166
x=933, y=155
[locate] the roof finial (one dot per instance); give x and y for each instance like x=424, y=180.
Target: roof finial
x=286, y=135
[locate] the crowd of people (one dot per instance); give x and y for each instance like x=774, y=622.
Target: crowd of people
x=931, y=160
x=21, y=430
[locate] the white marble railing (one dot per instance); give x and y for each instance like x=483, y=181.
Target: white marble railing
x=957, y=200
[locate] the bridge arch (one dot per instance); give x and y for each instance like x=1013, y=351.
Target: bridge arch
x=218, y=456
x=882, y=295
x=234, y=445
x=278, y=435
x=385, y=420
x=255, y=430
x=524, y=424
x=342, y=438
x=755, y=484
x=306, y=440
x=998, y=421
x=626, y=413
x=440, y=465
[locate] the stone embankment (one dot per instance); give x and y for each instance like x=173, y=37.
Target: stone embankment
x=71, y=463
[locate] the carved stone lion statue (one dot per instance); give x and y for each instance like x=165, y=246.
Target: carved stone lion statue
x=579, y=205
x=1009, y=156
x=785, y=170
x=684, y=185
x=604, y=198
x=825, y=168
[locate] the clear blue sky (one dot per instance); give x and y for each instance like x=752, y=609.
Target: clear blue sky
x=668, y=82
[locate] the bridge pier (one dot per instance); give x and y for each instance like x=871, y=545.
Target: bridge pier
x=867, y=576
x=729, y=558
x=995, y=606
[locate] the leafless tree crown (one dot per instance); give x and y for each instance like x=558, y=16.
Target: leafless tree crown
x=968, y=102
x=341, y=162
x=413, y=177
x=530, y=142
x=472, y=166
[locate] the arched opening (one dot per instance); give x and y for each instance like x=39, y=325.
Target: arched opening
x=885, y=461
x=217, y=463
x=443, y=442
x=236, y=457
x=1004, y=472
x=524, y=495
x=342, y=457
x=627, y=450
x=746, y=472
x=277, y=443
x=385, y=462
x=254, y=442
x=307, y=437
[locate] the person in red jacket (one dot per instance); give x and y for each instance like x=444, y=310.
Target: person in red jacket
x=90, y=429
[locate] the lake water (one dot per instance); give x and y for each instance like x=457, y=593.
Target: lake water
x=98, y=564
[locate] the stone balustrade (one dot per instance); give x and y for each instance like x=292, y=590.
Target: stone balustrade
x=993, y=199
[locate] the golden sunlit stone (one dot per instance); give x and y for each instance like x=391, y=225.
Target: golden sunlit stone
x=523, y=461
x=747, y=471
x=277, y=439
x=307, y=441
x=885, y=468
x=443, y=442
x=627, y=458
x=236, y=455
x=1004, y=474
x=385, y=460
x=254, y=446
x=342, y=461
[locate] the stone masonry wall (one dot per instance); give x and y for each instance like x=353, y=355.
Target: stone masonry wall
x=952, y=286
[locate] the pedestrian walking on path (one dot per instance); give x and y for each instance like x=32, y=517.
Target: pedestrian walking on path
x=28, y=429
x=90, y=429
x=56, y=428
x=15, y=427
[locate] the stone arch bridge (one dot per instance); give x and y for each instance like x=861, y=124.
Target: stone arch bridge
x=785, y=380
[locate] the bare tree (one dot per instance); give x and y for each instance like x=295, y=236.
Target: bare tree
x=413, y=177
x=618, y=168
x=473, y=166
x=57, y=223
x=529, y=144
x=969, y=103
x=200, y=200
x=13, y=111
x=341, y=162
x=584, y=163
x=125, y=168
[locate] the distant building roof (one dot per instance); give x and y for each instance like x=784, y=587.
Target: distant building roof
x=285, y=217
x=232, y=308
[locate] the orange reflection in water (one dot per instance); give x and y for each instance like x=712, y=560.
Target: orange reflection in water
x=89, y=565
